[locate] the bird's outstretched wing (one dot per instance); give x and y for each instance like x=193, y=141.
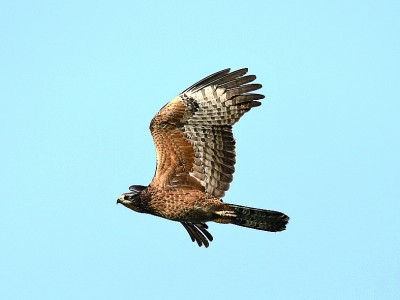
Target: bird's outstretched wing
x=193, y=133
x=198, y=232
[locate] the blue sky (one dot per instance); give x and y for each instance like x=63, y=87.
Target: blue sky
x=79, y=84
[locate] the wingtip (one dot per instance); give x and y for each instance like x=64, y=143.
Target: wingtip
x=198, y=233
x=255, y=103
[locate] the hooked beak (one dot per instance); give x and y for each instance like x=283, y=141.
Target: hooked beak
x=119, y=201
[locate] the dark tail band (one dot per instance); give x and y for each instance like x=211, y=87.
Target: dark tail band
x=260, y=219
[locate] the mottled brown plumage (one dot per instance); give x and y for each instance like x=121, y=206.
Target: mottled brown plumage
x=196, y=158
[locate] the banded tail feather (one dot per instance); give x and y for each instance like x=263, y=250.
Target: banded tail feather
x=261, y=219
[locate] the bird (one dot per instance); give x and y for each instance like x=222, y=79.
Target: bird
x=195, y=151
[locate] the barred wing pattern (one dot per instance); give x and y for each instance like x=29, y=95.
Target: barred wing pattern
x=193, y=133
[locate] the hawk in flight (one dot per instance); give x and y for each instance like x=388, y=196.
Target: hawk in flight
x=195, y=151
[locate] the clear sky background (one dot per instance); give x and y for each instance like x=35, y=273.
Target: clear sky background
x=79, y=84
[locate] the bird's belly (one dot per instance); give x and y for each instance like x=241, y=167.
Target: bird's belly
x=186, y=207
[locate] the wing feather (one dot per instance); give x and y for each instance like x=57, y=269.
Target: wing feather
x=193, y=133
x=198, y=232
x=207, y=81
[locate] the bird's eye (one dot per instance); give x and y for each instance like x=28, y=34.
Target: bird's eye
x=126, y=197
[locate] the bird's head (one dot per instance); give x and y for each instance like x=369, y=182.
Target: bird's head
x=130, y=200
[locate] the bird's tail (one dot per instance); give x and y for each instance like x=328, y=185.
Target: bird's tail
x=260, y=219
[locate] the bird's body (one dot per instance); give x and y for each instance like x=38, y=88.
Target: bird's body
x=179, y=205
x=195, y=152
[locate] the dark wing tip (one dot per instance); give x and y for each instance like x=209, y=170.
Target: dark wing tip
x=198, y=233
x=137, y=188
x=207, y=80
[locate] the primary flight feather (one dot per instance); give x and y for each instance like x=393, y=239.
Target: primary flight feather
x=196, y=157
